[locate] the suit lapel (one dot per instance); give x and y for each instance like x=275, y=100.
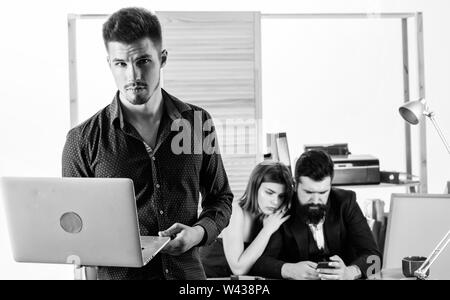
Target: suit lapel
x=299, y=230
x=331, y=226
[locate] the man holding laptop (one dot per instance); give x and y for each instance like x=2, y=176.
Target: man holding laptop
x=136, y=137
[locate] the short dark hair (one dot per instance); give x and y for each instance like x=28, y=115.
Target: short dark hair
x=315, y=164
x=267, y=171
x=131, y=24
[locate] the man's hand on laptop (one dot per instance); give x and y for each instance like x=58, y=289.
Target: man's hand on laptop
x=183, y=238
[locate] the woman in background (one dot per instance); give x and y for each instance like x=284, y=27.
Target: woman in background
x=255, y=217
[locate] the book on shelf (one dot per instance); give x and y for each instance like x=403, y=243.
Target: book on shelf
x=278, y=149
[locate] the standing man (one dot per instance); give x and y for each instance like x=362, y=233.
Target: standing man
x=137, y=137
x=326, y=224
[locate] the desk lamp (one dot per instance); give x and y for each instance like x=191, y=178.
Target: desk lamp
x=411, y=112
x=421, y=272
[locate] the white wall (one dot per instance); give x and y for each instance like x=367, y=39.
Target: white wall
x=34, y=114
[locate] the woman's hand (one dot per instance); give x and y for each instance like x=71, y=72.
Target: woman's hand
x=273, y=222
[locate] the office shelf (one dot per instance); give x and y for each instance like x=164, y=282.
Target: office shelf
x=380, y=186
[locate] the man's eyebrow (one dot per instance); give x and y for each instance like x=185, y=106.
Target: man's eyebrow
x=144, y=56
x=270, y=190
x=320, y=192
x=138, y=58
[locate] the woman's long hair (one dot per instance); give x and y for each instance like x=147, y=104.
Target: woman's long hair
x=267, y=171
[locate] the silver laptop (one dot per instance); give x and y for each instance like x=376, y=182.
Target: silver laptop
x=83, y=221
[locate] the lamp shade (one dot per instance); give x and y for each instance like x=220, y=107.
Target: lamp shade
x=412, y=111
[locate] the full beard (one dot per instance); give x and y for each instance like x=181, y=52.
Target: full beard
x=313, y=213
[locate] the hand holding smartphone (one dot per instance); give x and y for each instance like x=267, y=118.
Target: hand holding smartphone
x=324, y=265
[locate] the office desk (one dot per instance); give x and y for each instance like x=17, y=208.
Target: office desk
x=387, y=274
x=390, y=274
x=239, y=277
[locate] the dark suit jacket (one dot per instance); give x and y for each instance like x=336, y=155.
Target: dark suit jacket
x=346, y=234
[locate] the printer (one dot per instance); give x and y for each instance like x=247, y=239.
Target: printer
x=355, y=169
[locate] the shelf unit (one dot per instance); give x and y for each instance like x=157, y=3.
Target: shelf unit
x=417, y=18
x=412, y=184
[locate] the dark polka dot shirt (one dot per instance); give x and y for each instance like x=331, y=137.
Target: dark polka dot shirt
x=167, y=183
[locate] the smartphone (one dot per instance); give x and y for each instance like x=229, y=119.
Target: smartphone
x=324, y=265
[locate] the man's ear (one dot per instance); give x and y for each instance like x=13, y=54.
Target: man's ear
x=163, y=57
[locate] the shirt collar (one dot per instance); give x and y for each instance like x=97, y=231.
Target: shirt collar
x=173, y=107
x=115, y=111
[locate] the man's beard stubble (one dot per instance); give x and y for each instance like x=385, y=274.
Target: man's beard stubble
x=140, y=99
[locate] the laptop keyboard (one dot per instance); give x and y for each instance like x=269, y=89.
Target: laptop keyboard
x=150, y=246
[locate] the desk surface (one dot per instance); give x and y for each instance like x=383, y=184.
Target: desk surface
x=386, y=274
x=390, y=274
x=239, y=277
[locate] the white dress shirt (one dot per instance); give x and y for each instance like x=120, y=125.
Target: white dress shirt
x=317, y=232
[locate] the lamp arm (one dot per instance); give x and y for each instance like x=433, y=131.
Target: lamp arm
x=438, y=129
x=421, y=272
